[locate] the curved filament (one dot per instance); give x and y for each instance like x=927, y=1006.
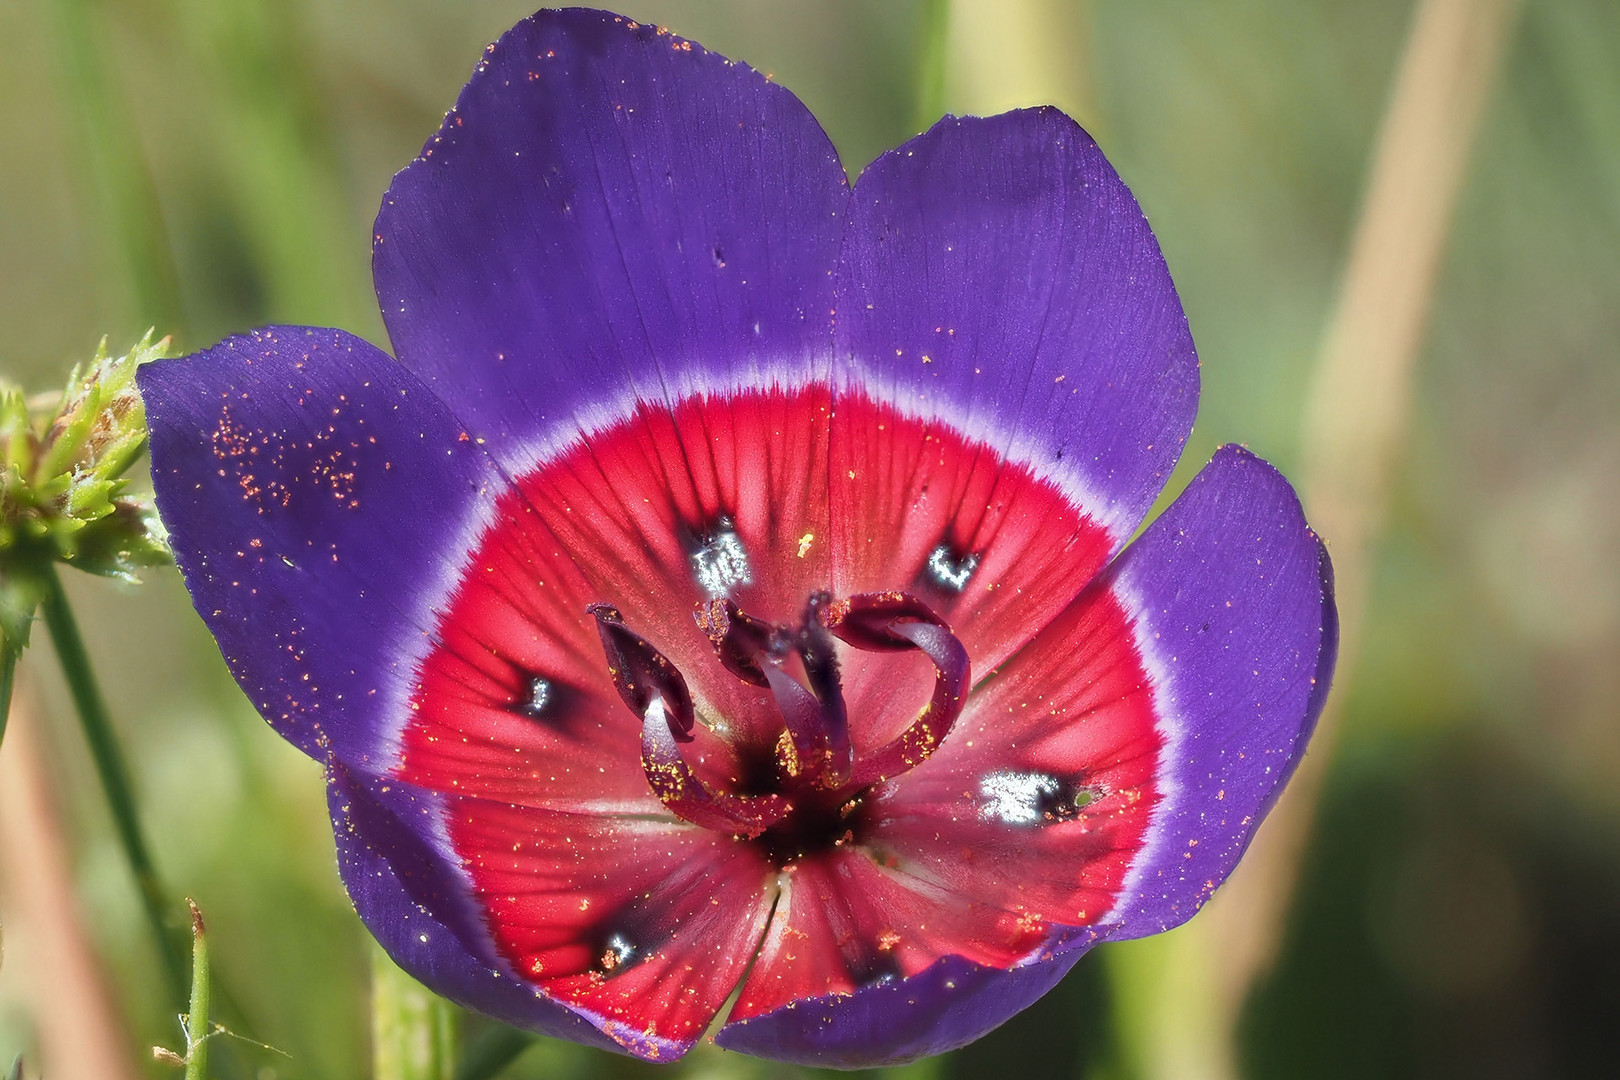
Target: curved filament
x=886, y=622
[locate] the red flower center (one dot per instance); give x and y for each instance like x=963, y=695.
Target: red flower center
x=806, y=796
x=794, y=786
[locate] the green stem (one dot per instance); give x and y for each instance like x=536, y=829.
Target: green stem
x=933, y=35
x=487, y=1056
x=8, y=678
x=413, y=1031
x=117, y=176
x=197, y=1016
x=110, y=767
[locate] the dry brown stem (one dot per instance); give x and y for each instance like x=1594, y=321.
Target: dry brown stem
x=81, y=1034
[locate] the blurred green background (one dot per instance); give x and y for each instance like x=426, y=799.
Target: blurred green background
x=209, y=165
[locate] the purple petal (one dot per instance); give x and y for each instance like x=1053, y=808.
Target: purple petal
x=1232, y=594
x=409, y=894
x=998, y=274
x=608, y=211
x=947, y=1006
x=317, y=497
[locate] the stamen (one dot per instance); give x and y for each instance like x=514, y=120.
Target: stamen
x=679, y=788
x=813, y=754
x=816, y=721
x=820, y=660
x=868, y=620
x=893, y=621
x=653, y=687
x=642, y=674
x=739, y=639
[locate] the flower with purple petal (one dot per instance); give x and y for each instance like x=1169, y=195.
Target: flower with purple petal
x=729, y=587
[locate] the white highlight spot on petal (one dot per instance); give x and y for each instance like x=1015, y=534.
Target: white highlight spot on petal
x=539, y=696
x=951, y=573
x=620, y=951
x=1016, y=797
x=722, y=563
x=1030, y=798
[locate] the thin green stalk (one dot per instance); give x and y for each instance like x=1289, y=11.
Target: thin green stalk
x=927, y=1069
x=110, y=767
x=487, y=1056
x=273, y=146
x=197, y=1016
x=413, y=1031
x=116, y=175
x=8, y=678
x=933, y=34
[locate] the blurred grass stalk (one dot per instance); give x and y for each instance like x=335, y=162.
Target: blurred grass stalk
x=114, y=175
x=1178, y=997
x=76, y=1021
x=270, y=134
x=10, y=653
x=1008, y=54
x=1185, y=992
x=413, y=1030
x=270, y=140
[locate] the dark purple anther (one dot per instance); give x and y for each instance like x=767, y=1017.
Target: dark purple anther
x=868, y=620
x=641, y=674
x=656, y=691
x=739, y=639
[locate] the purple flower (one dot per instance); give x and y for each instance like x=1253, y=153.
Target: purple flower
x=730, y=584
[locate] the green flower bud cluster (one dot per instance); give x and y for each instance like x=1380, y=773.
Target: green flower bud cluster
x=63, y=493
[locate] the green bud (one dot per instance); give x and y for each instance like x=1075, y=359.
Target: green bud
x=63, y=493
